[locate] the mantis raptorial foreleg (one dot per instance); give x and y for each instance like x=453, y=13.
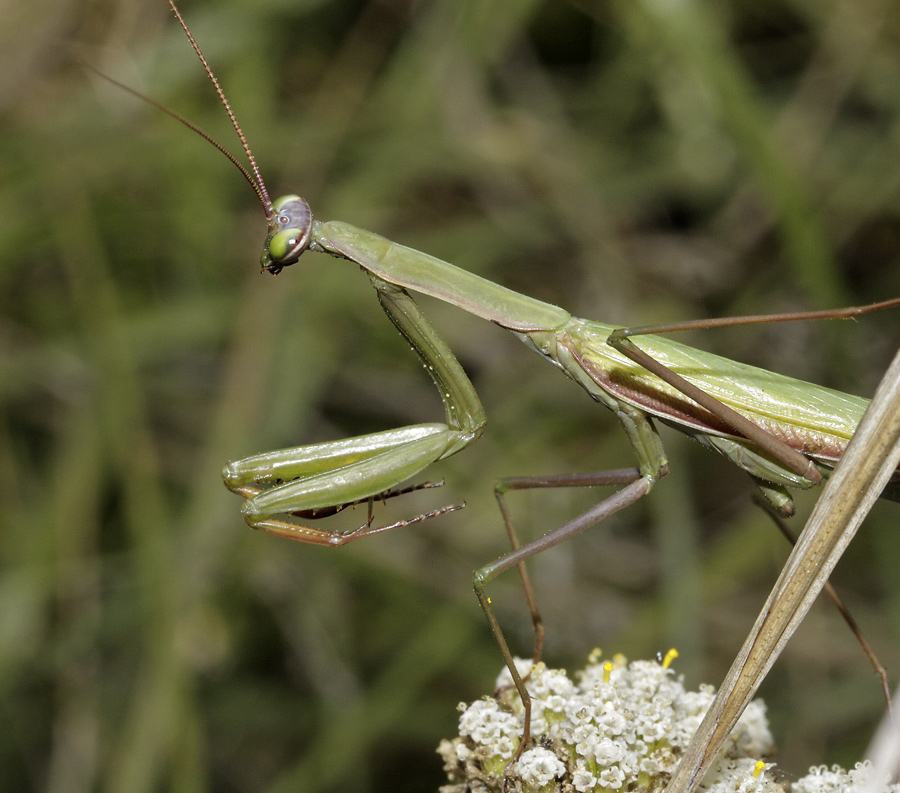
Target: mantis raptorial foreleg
x=320, y=477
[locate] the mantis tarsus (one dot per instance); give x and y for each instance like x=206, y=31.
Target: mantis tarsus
x=784, y=432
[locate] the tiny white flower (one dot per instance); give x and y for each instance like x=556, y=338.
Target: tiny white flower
x=538, y=767
x=611, y=778
x=583, y=780
x=608, y=751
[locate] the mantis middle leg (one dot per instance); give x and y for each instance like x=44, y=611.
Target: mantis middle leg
x=636, y=482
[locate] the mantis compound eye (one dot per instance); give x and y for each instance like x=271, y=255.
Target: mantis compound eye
x=286, y=246
x=289, y=235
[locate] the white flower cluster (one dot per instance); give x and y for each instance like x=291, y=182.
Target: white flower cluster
x=621, y=727
x=861, y=779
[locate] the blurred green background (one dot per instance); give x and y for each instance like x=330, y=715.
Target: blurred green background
x=634, y=162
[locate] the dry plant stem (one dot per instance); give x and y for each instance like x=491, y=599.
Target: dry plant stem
x=868, y=463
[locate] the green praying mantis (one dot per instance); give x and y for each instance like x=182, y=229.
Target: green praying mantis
x=783, y=432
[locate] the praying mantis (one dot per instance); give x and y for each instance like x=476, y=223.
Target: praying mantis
x=783, y=432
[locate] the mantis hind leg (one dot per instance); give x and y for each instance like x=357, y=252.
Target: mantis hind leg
x=800, y=471
x=763, y=502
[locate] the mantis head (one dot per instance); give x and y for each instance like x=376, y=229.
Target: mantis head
x=289, y=218
x=290, y=227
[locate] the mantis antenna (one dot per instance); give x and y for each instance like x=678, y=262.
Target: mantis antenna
x=255, y=179
x=256, y=182
x=289, y=218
